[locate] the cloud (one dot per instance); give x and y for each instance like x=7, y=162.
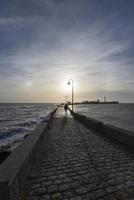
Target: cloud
x=45, y=41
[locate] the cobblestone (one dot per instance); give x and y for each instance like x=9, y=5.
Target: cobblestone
x=56, y=196
x=74, y=163
x=45, y=197
x=64, y=187
x=52, y=188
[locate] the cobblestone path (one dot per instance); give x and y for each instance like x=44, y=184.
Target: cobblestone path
x=73, y=163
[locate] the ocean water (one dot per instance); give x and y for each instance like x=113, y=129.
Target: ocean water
x=18, y=120
x=119, y=115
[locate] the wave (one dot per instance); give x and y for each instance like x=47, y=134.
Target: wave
x=18, y=120
x=28, y=123
x=14, y=131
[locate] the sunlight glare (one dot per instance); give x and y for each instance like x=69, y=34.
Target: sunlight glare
x=28, y=84
x=65, y=86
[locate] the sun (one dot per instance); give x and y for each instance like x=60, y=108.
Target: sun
x=65, y=86
x=28, y=84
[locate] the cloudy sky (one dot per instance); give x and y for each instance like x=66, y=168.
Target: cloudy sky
x=43, y=43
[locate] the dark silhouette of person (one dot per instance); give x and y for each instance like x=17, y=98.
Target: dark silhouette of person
x=65, y=107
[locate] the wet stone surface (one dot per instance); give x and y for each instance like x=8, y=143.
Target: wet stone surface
x=73, y=163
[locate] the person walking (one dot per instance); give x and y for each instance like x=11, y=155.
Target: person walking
x=65, y=108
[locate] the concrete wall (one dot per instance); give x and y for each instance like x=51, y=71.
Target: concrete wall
x=14, y=170
x=88, y=122
x=123, y=136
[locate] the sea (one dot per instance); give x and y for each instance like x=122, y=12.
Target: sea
x=19, y=120
x=119, y=115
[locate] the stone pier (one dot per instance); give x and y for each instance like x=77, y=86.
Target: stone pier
x=76, y=163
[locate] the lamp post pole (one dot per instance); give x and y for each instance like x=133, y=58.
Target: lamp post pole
x=69, y=82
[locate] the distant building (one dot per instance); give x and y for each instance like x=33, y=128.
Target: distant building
x=104, y=99
x=85, y=102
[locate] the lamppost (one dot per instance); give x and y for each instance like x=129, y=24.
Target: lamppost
x=69, y=83
x=66, y=99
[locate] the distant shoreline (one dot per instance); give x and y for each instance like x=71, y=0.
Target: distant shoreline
x=96, y=102
x=93, y=102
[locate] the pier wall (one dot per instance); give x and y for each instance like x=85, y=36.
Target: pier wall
x=123, y=136
x=14, y=170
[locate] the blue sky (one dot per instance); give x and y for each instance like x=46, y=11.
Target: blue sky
x=43, y=43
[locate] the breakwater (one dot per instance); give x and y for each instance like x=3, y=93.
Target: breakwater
x=14, y=170
x=121, y=135
x=64, y=159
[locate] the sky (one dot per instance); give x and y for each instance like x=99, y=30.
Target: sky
x=44, y=43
